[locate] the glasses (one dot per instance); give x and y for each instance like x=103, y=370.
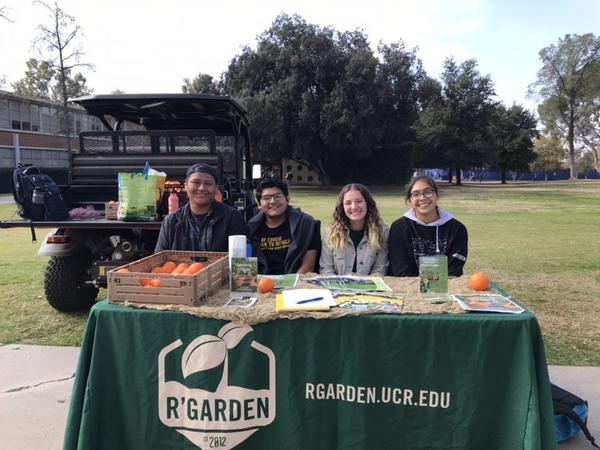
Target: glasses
x=427, y=193
x=268, y=198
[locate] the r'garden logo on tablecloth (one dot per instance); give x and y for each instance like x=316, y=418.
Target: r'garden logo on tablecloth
x=222, y=418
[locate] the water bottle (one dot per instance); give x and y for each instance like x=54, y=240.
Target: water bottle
x=173, y=202
x=38, y=210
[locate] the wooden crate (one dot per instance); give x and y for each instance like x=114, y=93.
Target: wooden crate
x=175, y=289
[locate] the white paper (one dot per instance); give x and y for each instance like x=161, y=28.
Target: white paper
x=295, y=297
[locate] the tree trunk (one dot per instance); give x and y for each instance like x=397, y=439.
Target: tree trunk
x=450, y=175
x=595, y=157
x=571, y=139
x=458, y=180
x=503, y=176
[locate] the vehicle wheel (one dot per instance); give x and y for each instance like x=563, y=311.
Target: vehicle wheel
x=64, y=283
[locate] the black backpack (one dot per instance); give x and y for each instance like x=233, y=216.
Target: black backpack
x=570, y=415
x=25, y=180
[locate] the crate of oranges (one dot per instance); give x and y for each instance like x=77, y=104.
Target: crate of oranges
x=169, y=277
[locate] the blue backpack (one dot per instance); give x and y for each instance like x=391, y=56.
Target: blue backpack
x=25, y=180
x=570, y=415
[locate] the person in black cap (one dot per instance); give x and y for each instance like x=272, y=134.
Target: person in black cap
x=203, y=224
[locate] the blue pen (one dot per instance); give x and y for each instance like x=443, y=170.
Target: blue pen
x=309, y=300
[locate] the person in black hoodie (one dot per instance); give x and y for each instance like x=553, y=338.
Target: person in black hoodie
x=202, y=224
x=285, y=239
x=426, y=230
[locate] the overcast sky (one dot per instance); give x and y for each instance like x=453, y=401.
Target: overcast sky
x=146, y=46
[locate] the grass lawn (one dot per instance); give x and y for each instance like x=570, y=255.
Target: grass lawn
x=539, y=241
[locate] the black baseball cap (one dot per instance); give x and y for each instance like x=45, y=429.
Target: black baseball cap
x=202, y=168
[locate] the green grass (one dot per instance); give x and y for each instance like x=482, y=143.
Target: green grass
x=539, y=241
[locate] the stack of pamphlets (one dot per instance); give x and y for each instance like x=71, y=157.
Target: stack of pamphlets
x=305, y=300
x=488, y=303
x=243, y=275
x=368, y=302
x=433, y=274
x=350, y=283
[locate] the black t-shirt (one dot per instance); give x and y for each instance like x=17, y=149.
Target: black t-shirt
x=274, y=243
x=356, y=237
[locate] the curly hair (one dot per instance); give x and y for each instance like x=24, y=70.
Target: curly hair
x=340, y=227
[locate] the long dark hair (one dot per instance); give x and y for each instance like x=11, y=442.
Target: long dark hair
x=340, y=227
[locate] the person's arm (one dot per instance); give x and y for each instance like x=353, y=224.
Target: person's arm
x=308, y=262
x=400, y=257
x=457, y=251
x=326, y=260
x=380, y=267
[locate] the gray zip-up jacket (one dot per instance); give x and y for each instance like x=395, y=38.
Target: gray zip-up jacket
x=368, y=260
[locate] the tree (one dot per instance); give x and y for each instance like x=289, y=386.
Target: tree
x=453, y=129
x=589, y=130
x=570, y=75
x=60, y=40
x=514, y=129
x=4, y=14
x=586, y=164
x=202, y=84
x=323, y=98
x=403, y=89
x=37, y=80
x=549, y=151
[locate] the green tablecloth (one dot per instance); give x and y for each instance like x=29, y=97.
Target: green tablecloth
x=151, y=379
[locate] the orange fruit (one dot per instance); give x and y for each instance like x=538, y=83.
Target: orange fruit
x=181, y=267
x=194, y=269
x=155, y=282
x=168, y=267
x=265, y=285
x=124, y=270
x=157, y=269
x=479, y=281
x=150, y=282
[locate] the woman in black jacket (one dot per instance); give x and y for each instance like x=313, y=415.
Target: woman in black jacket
x=426, y=230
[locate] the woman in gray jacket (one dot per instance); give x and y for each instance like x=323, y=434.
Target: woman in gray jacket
x=356, y=242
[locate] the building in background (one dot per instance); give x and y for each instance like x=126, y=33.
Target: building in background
x=32, y=132
x=301, y=174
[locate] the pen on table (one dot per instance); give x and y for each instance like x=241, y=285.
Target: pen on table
x=309, y=300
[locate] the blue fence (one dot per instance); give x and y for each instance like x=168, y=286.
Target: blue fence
x=496, y=175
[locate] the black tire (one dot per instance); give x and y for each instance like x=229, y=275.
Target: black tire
x=64, y=283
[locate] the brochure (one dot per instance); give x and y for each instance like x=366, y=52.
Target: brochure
x=350, y=283
x=283, y=281
x=243, y=275
x=305, y=300
x=241, y=302
x=488, y=303
x=439, y=298
x=433, y=274
x=370, y=302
